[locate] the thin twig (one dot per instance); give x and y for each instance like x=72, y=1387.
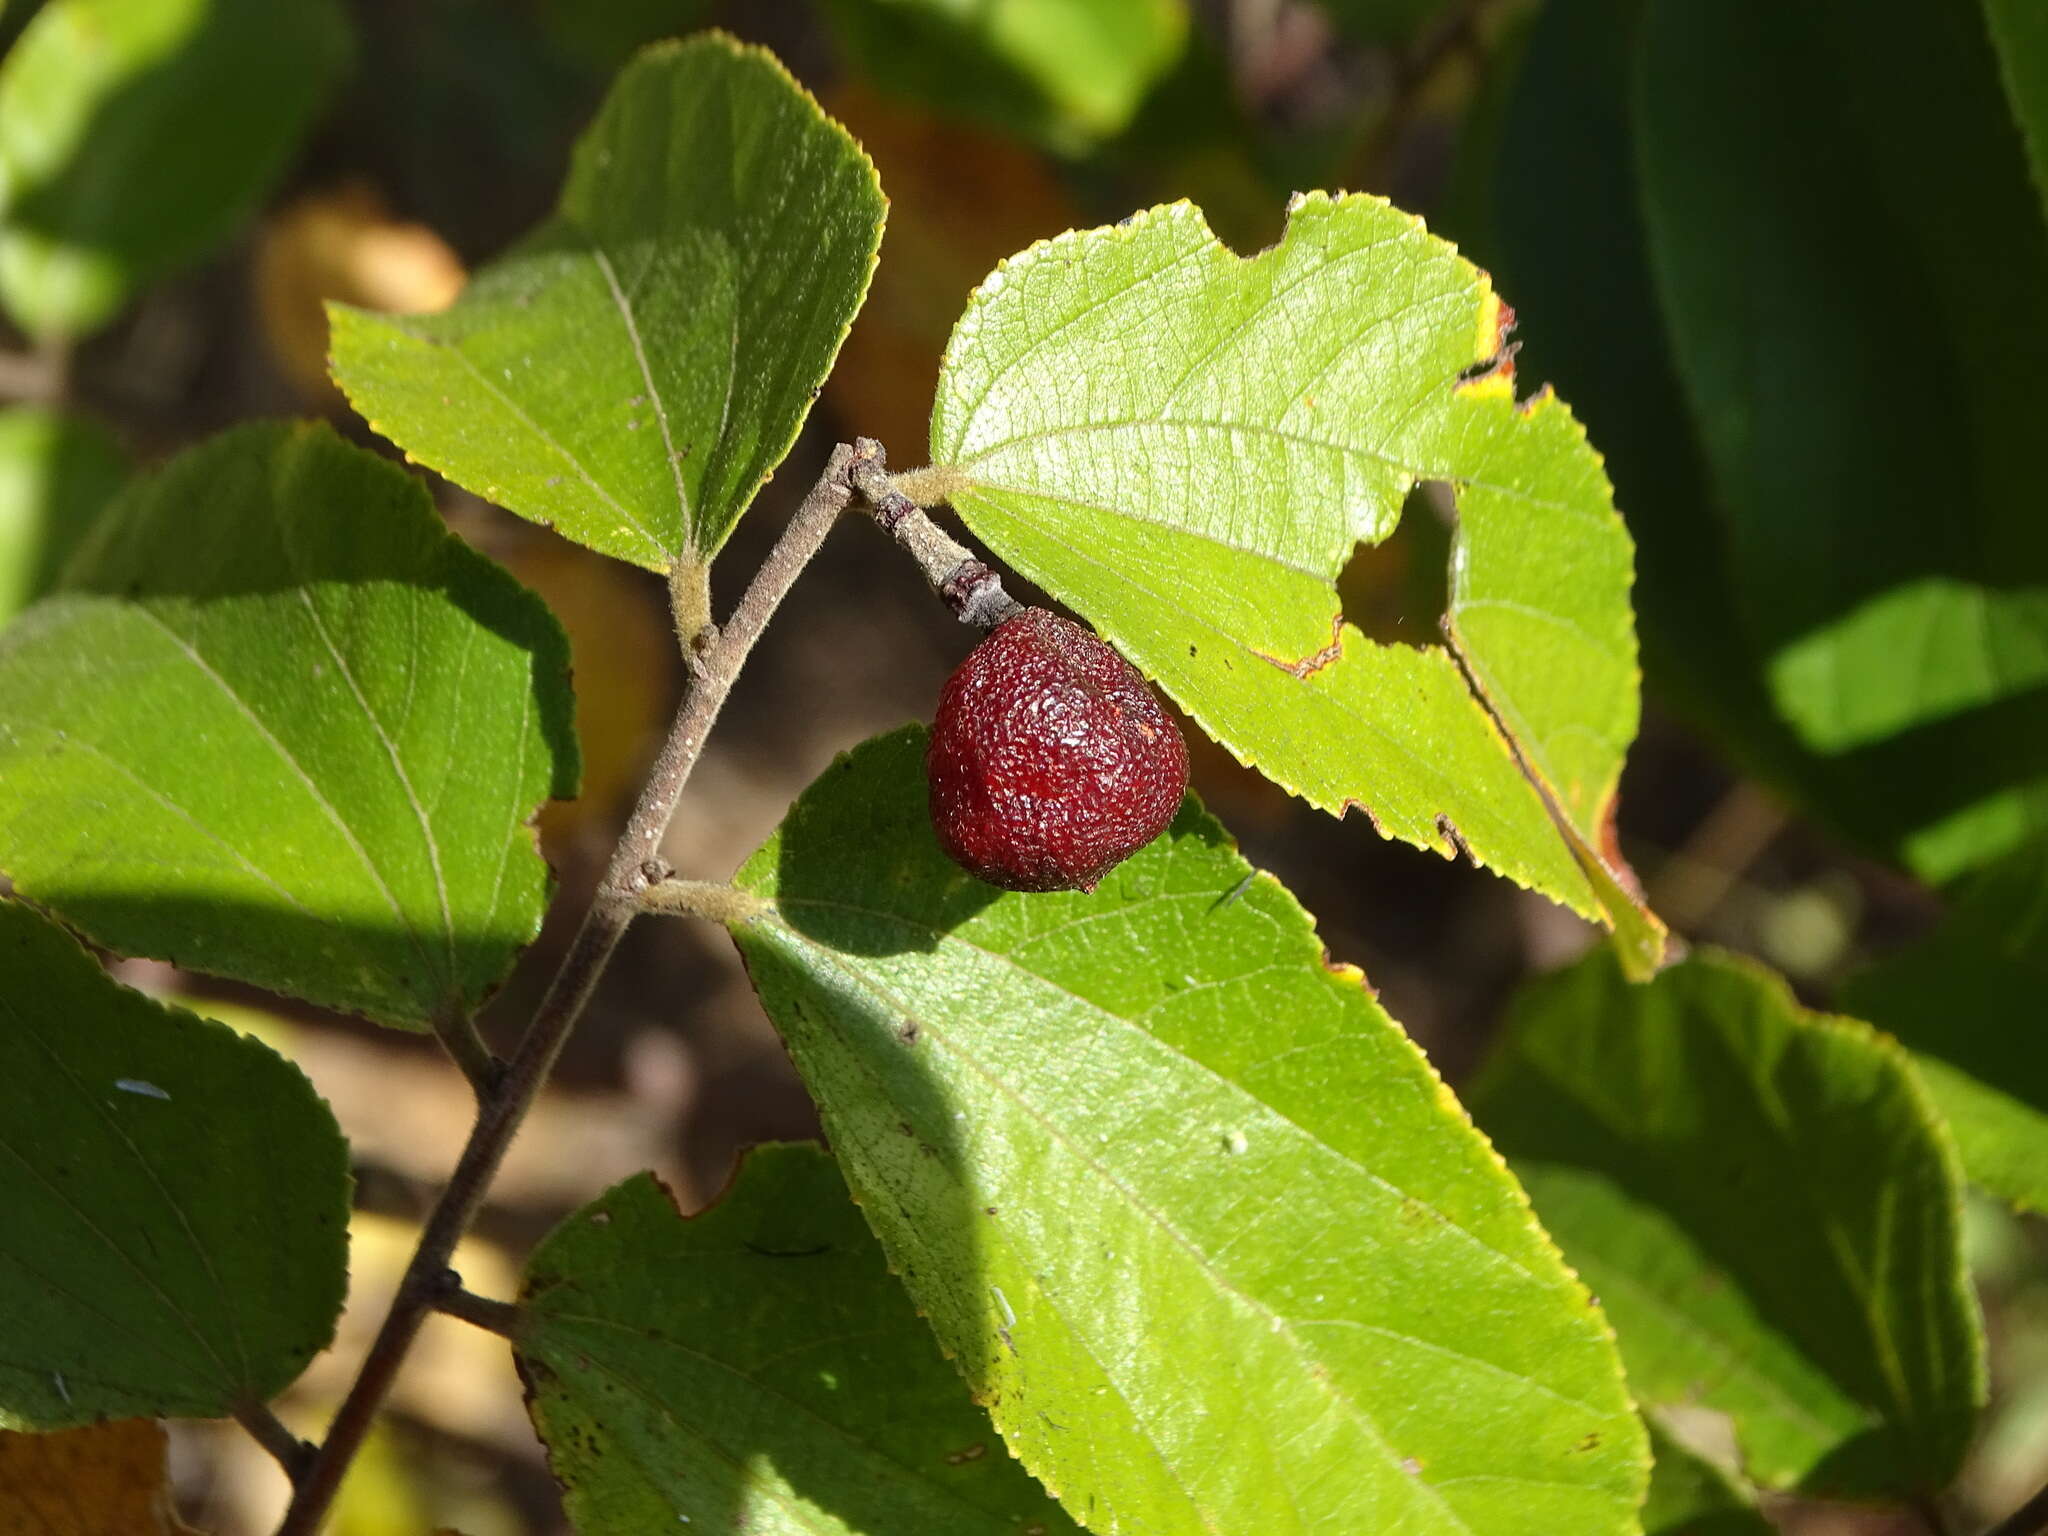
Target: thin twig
x=635, y=863
x=268, y=1431
x=457, y=1033
x=2030, y=1519
x=499, y=1317
x=967, y=586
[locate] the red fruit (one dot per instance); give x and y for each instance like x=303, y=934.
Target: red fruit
x=1050, y=761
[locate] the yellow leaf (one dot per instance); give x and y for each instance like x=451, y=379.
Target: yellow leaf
x=104, y=1480
x=343, y=245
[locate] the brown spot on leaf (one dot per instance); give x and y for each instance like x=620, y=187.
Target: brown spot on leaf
x=1313, y=663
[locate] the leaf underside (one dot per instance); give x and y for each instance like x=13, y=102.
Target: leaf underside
x=1188, y=446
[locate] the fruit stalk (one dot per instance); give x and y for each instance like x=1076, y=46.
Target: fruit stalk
x=964, y=584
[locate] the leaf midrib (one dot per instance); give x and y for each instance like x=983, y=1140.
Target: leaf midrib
x=1144, y=1209
x=668, y=442
x=312, y=787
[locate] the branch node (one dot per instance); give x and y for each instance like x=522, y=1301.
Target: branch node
x=499, y=1317
x=715, y=903
x=575, y=980
x=976, y=596
x=457, y=1032
x=268, y=1431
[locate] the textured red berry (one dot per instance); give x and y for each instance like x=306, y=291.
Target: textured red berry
x=1050, y=761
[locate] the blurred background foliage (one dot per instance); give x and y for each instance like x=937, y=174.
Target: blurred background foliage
x=1786, y=258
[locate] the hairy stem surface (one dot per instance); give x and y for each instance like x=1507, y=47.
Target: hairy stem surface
x=966, y=585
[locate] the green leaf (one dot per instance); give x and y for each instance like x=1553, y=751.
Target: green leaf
x=1567, y=218
x=1856, y=294
x=1187, y=447
x=1069, y=73
x=1766, y=1205
x=633, y=370
x=283, y=726
x=1690, y=1496
x=755, y=1368
x=56, y=473
x=1197, y=1221
x=2019, y=31
x=1968, y=1002
x=135, y=135
x=176, y=1240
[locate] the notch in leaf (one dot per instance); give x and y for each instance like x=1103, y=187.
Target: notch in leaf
x=1187, y=446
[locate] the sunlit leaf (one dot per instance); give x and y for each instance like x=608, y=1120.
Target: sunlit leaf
x=755, y=1368
x=1565, y=215
x=281, y=725
x=1767, y=1206
x=135, y=133
x=176, y=1196
x=960, y=198
x=1187, y=447
x=1198, y=1223
x=634, y=369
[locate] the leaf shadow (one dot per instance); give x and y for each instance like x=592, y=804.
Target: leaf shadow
x=1936, y=769
x=285, y=539
x=783, y=1291
x=1734, y=1190
x=816, y=856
